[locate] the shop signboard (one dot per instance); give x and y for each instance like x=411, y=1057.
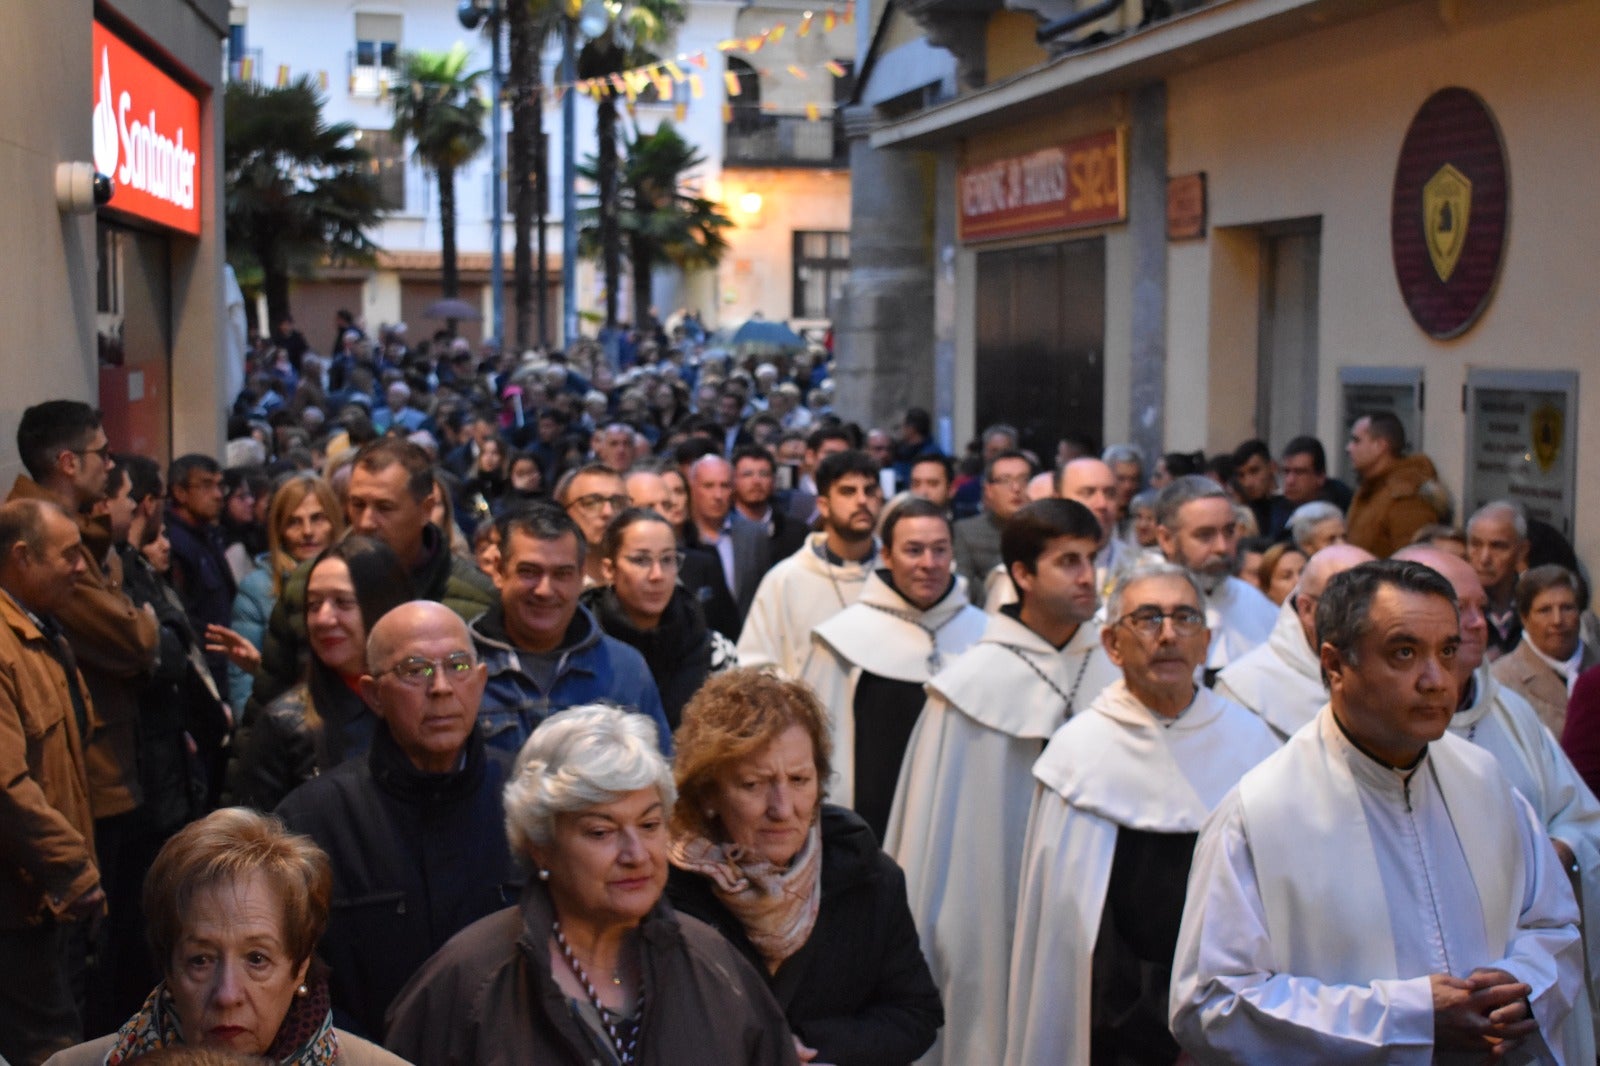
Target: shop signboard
x=1365, y=390
x=1065, y=186
x=1522, y=439
x=146, y=136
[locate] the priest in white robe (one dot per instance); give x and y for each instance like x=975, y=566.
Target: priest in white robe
x=1282, y=680
x=1377, y=892
x=961, y=807
x=1198, y=531
x=1123, y=789
x=1504, y=724
x=825, y=576
x=869, y=662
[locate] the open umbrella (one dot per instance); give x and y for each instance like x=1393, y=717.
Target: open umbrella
x=760, y=335
x=450, y=307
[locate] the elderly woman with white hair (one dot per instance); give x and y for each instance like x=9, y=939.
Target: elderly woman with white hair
x=1315, y=525
x=593, y=966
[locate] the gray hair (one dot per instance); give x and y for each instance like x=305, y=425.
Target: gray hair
x=1518, y=513
x=1143, y=572
x=1123, y=453
x=1001, y=429
x=1182, y=491
x=578, y=759
x=1144, y=501
x=1344, y=613
x=1309, y=516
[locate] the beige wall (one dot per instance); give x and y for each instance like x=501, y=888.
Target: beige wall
x=757, y=273
x=1313, y=127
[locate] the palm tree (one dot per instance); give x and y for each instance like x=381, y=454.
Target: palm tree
x=299, y=192
x=625, y=44
x=659, y=220
x=437, y=104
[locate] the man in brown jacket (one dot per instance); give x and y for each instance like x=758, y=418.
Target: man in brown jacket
x=49, y=883
x=1395, y=497
x=65, y=450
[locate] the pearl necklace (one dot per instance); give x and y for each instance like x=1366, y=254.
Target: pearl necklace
x=625, y=1048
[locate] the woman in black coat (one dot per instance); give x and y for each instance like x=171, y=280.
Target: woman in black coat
x=644, y=606
x=800, y=888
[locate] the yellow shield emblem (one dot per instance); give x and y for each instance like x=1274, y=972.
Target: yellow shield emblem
x=1446, y=205
x=1547, y=423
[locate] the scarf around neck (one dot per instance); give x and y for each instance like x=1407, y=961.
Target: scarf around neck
x=306, y=1037
x=777, y=907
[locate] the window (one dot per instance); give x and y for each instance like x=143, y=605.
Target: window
x=821, y=264
x=377, y=54
x=387, y=166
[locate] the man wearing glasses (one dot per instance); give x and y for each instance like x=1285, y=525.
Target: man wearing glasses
x=1282, y=680
x=414, y=830
x=977, y=539
x=592, y=496
x=543, y=649
x=1123, y=788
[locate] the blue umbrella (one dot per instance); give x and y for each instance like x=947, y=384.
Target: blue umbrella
x=771, y=336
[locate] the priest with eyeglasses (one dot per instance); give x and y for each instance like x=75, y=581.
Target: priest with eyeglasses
x=1122, y=791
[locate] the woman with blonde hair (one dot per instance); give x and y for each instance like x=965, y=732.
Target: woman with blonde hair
x=798, y=886
x=234, y=906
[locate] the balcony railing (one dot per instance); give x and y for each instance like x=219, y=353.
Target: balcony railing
x=767, y=140
x=246, y=66
x=368, y=79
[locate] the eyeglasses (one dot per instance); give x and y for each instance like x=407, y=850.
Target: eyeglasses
x=419, y=672
x=669, y=561
x=1013, y=481
x=596, y=500
x=1147, y=621
x=104, y=452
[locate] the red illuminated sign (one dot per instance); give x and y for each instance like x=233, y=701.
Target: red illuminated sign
x=1066, y=186
x=146, y=136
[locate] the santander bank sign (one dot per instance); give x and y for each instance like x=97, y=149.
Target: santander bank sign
x=146, y=136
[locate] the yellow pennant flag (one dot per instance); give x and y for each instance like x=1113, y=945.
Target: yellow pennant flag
x=835, y=68
x=247, y=68
x=776, y=33
x=322, y=80
x=754, y=44
x=796, y=71
x=828, y=21
x=680, y=111
x=727, y=114
x=664, y=88
x=283, y=75
x=696, y=89
x=812, y=112
x=728, y=46
x=674, y=71
x=731, y=80
x=805, y=24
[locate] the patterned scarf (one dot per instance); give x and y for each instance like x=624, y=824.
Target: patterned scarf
x=777, y=907
x=306, y=1037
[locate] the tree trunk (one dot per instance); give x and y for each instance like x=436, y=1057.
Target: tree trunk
x=274, y=282
x=448, y=283
x=525, y=120
x=541, y=210
x=610, y=237
x=643, y=284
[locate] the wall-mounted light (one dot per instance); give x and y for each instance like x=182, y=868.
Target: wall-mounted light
x=750, y=203
x=80, y=188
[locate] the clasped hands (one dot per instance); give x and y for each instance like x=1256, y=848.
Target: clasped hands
x=1488, y=1011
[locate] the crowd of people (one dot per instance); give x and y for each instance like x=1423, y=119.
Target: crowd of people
x=471, y=709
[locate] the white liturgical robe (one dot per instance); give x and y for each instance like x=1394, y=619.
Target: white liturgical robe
x=1327, y=887
x=1240, y=620
x=795, y=596
x=1116, y=764
x=1281, y=680
x=1504, y=724
x=883, y=635
x=961, y=811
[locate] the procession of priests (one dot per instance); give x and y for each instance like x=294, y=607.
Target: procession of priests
x=1149, y=817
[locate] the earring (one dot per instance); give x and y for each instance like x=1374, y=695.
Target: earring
x=301, y=991
x=544, y=874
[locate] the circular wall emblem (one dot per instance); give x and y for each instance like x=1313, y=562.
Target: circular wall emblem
x=1448, y=220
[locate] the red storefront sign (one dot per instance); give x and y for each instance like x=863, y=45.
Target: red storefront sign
x=1079, y=183
x=146, y=136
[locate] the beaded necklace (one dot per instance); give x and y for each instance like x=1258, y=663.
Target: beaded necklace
x=625, y=1048
x=1070, y=697
x=935, y=660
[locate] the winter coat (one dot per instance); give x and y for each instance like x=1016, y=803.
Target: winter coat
x=442, y=577
x=1389, y=508
x=204, y=579
x=282, y=749
x=416, y=858
x=353, y=1051
x=859, y=991
x=682, y=651
x=252, y=607
x=593, y=668
x=488, y=998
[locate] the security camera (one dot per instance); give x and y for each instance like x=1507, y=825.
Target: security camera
x=104, y=189
x=469, y=14
x=80, y=188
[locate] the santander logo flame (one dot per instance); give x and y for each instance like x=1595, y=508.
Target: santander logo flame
x=146, y=136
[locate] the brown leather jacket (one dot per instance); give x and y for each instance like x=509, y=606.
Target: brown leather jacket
x=46, y=828
x=1389, y=509
x=116, y=645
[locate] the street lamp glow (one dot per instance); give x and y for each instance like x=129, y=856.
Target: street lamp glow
x=750, y=203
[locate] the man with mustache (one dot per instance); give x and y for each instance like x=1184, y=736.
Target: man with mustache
x=1377, y=891
x=1122, y=790
x=1197, y=530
